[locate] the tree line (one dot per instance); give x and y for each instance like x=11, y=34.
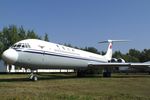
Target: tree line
x=12, y=34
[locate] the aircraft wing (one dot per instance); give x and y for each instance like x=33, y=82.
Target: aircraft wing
x=134, y=65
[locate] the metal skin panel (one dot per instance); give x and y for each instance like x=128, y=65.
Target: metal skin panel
x=42, y=61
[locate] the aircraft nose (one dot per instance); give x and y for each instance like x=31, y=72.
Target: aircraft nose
x=10, y=56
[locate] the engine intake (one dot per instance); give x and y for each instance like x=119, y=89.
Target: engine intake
x=113, y=60
x=120, y=60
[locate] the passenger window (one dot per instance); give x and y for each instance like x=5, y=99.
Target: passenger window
x=63, y=48
x=18, y=46
x=14, y=46
x=68, y=49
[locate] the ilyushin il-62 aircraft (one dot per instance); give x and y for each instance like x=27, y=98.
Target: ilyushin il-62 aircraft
x=38, y=54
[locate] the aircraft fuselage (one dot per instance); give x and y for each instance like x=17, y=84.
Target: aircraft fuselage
x=38, y=54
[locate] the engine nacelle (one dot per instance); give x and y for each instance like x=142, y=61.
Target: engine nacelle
x=114, y=60
x=120, y=60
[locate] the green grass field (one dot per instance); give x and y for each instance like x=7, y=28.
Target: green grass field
x=69, y=87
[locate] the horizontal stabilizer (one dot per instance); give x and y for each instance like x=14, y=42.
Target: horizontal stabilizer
x=111, y=41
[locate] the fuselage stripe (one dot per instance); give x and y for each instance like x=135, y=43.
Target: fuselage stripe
x=52, y=53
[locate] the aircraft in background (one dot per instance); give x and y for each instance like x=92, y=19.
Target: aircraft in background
x=37, y=54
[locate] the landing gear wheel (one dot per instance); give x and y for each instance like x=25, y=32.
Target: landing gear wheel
x=33, y=77
x=80, y=73
x=107, y=73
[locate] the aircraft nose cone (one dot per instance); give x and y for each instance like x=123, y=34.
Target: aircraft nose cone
x=10, y=56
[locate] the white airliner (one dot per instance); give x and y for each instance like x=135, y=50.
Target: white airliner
x=38, y=54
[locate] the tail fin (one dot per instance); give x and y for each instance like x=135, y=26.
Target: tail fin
x=108, y=54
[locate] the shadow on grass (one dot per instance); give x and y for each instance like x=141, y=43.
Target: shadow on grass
x=64, y=76
x=55, y=76
x=15, y=80
x=43, y=77
x=58, y=76
x=131, y=76
x=40, y=77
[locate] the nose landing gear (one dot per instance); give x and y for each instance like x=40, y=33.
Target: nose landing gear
x=33, y=77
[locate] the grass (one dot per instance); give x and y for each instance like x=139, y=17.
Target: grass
x=69, y=87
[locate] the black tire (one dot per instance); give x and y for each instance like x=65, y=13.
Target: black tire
x=106, y=74
x=35, y=78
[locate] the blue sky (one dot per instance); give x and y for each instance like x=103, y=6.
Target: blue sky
x=82, y=22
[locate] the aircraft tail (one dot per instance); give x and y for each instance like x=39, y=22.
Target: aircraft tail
x=109, y=52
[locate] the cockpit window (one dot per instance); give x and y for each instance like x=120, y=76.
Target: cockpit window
x=21, y=45
x=14, y=46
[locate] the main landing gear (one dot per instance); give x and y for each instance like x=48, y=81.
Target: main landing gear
x=106, y=72
x=81, y=73
x=33, y=77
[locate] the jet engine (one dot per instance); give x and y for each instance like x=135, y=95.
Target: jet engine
x=120, y=60
x=114, y=60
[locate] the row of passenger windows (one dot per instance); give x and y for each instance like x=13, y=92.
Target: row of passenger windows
x=21, y=45
x=65, y=48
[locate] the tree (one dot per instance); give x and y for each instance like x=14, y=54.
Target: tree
x=129, y=58
x=134, y=53
x=10, y=35
x=68, y=45
x=46, y=37
x=145, y=55
x=117, y=54
x=22, y=33
x=1, y=44
x=31, y=34
x=91, y=49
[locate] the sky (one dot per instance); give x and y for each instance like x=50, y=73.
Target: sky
x=82, y=22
